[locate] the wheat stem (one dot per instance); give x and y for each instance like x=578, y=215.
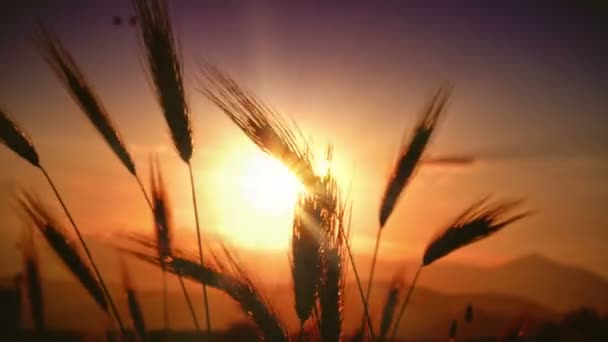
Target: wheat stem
x=371, y=272
x=200, y=247
x=86, y=250
x=143, y=191
x=352, y=262
x=165, y=304
x=189, y=302
x=404, y=304
x=181, y=281
x=301, y=337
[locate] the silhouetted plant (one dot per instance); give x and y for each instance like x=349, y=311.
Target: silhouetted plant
x=165, y=70
x=15, y=139
x=477, y=222
x=408, y=159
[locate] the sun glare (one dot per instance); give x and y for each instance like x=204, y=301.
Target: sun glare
x=258, y=198
x=268, y=185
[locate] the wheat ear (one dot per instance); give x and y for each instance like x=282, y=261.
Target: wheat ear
x=477, y=222
x=33, y=279
x=16, y=140
x=165, y=71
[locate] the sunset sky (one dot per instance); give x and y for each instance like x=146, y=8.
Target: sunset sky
x=530, y=105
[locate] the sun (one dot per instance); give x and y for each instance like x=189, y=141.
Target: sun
x=268, y=185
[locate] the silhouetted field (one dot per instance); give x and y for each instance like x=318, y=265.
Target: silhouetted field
x=322, y=305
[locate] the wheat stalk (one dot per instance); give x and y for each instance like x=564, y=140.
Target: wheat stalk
x=162, y=229
x=75, y=82
x=468, y=315
x=166, y=71
x=390, y=304
x=162, y=212
x=64, y=247
x=226, y=275
x=135, y=310
x=453, y=330
x=166, y=74
x=410, y=154
x=331, y=288
x=33, y=280
x=305, y=256
x=477, y=222
x=16, y=140
x=262, y=125
x=407, y=162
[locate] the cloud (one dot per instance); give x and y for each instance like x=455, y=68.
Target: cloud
x=450, y=160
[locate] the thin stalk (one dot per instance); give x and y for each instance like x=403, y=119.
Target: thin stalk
x=200, y=248
x=190, y=307
x=301, y=338
x=404, y=304
x=165, y=304
x=143, y=191
x=181, y=281
x=365, y=306
x=315, y=316
x=87, y=252
x=371, y=272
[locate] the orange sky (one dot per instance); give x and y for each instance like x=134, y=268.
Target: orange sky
x=532, y=116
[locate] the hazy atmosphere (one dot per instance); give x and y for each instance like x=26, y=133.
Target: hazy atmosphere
x=526, y=119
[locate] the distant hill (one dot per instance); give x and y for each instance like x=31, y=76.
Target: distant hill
x=532, y=288
x=428, y=316
x=534, y=277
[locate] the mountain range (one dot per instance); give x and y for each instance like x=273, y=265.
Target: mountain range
x=531, y=288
